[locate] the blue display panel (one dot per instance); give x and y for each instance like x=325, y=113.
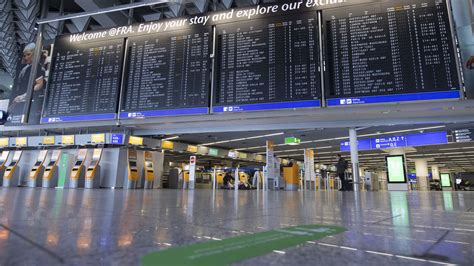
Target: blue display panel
x=85, y=81
x=390, y=142
x=117, y=139
x=160, y=113
x=427, y=96
x=265, y=106
x=363, y=145
x=78, y=118
x=390, y=52
x=268, y=64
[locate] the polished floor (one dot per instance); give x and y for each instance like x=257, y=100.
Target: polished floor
x=117, y=227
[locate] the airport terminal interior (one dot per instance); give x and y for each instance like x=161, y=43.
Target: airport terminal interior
x=236, y=132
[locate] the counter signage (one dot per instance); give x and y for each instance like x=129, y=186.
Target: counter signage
x=4, y=142
x=98, y=138
x=137, y=141
x=21, y=142
x=48, y=140
x=117, y=139
x=68, y=140
x=169, y=145
x=213, y=152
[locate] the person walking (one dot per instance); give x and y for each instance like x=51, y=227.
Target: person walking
x=341, y=167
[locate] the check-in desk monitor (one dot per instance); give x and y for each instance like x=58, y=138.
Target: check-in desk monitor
x=149, y=170
x=50, y=175
x=11, y=177
x=36, y=171
x=77, y=177
x=3, y=164
x=131, y=180
x=93, y=170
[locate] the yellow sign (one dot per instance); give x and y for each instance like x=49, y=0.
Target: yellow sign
x=138, y=141
x=21, y=142
x=4, y=142
x=192, y=148
x=259, y=158
x=242, y=155
x=98, y=138
x=167, y=145
x=67, y=140
x=49, y=140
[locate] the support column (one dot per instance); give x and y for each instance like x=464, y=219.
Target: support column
x=354, y=158
x=421, y=166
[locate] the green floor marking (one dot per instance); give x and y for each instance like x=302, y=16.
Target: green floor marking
x=239, y=248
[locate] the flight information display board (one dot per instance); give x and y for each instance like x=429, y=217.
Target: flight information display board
x=392, y=52
x=167, y=74
x=269, y=63
x=85, y=81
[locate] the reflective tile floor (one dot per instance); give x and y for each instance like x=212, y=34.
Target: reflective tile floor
x=117, y=227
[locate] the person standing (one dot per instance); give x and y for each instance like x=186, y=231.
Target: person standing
x=341, y=167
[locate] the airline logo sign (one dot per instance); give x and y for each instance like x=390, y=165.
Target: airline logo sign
x=192, y=160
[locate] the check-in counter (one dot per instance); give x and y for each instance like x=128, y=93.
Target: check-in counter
x=93, y=170
x=77, y=176
x=11, y=177
x=51, y=172
x=36, y=172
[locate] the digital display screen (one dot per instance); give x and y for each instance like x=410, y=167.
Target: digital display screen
x=169, y=70
x=78, y=163
x=85, y=78
x=37, y=164
x=396, y=172
x=149, y=164
x=397, y=47
x=133, y=164
x=269, y=60
x=445, y=180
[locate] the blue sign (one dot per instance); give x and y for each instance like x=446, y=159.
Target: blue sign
x=160, y=113
x=363, y=145
x=427, y=139
x=425, y=96
x=77, y=118
x=117, y=139
x=266, y=106
x=390, y=142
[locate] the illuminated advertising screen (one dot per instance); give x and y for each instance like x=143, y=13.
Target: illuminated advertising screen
x=396, y=172
x=445, y=180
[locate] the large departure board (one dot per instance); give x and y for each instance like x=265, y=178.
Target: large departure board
x=168, y=74
x=85, y=81
x=269, y=63
x=391, y=52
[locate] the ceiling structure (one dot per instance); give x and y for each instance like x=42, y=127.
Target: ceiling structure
x=18, y=18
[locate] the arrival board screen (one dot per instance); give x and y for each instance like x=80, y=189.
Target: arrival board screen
x=270, y=63
x=85, y=81
x=168, y=74
x=394, y=49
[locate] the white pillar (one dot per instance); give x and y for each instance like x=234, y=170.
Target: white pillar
x=354, y=158
x=435, y=172
x=421, y=166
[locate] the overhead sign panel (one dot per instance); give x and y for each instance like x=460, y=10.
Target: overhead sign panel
x=168, y=74
x=390, y=142
x=397, y=51
x=268, y=64
x=85, y=81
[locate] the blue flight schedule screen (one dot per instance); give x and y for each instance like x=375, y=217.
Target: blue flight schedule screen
x=397, y=51
x=268, y=64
